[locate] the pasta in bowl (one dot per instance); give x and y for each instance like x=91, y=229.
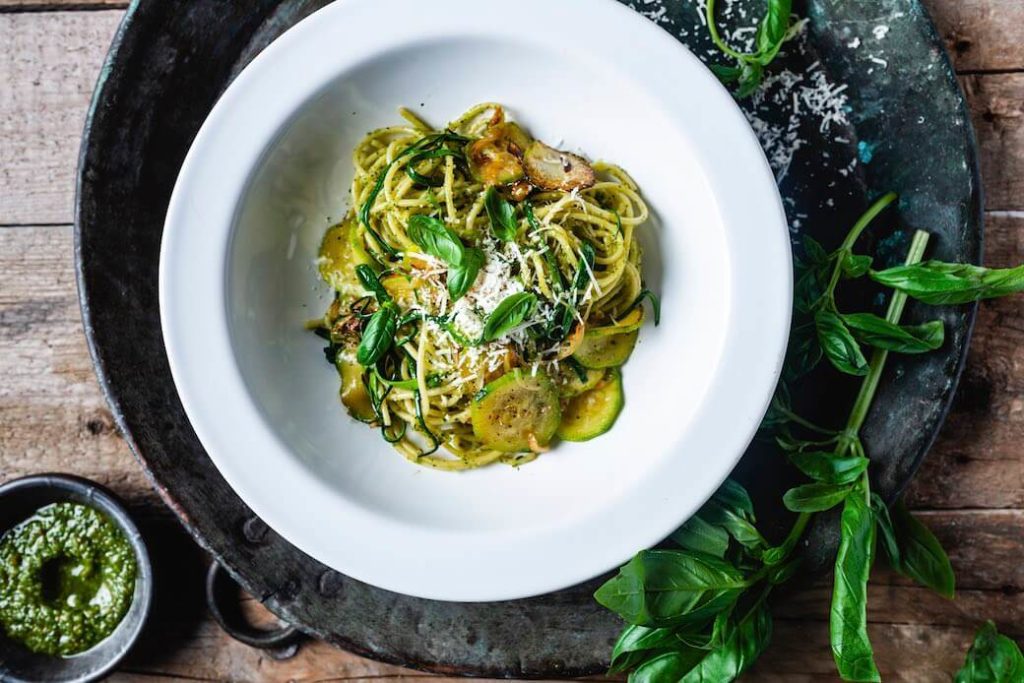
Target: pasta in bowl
x=487, y=290
x=272, y=171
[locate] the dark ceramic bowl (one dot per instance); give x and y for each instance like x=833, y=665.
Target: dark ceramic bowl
x=19, y=499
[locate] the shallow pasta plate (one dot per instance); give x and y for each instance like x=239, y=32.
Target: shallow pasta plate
x=269, y=171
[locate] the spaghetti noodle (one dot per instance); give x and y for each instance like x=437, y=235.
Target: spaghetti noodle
x=484, y=283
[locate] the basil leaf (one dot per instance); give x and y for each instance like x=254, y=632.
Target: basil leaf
x=804, y=352
x=462, y=276
x=993, y=658
x=774, y=26
x=701, y=536
x=732, y=495
x=509, y=314
x=667, y=668
x=743, y=645
x=750, y=79
x=935, y=282
x=839, y=345
x=855, y=266
x=815, y=253
x=637, y=639
x=670, y=587
x=726, y=74
x=851, y=647
x=378, y=336
x=436, y=239
x=734, y=522
x=829, y=468
x=885, y=526
x=368, y=279
x=732, y=510
x=880, y=333
x=502, y=215
x=815, y=497
x=921, y=556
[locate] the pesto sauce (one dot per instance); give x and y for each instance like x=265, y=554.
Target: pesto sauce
x=67, y=578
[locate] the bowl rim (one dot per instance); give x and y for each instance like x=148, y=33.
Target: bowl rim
x=763, y=314
x=107, y=502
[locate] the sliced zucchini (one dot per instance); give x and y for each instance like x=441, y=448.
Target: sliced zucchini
x=353, y=391
x=632, y=321
x=593, y=412
x=495, y=159
x=571, y=384
x=340, y=252
x=552, y=169
x=517, y=412
x=605, y=351
x=401, y=288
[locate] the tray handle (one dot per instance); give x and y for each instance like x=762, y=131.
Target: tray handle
x=221, y=598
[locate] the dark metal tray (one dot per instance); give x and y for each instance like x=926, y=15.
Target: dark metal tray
x=905, y=119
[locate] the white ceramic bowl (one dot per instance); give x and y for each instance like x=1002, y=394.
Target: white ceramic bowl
x=269, y=172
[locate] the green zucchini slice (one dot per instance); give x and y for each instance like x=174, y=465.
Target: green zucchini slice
x=353, y=391
x=593, y=412
x=605, y=351
x=517, y=412
x=340, y=252
x=571, y=384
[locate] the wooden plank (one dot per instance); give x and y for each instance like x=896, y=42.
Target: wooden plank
x=51, y=61
x=997, y=111
x=52, y=414
x=981, y=34
x=978, y=461
x=48, y=68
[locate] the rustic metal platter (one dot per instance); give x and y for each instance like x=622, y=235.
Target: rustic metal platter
x=864, y=102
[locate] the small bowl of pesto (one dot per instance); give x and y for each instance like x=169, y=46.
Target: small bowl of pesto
x=75, y=580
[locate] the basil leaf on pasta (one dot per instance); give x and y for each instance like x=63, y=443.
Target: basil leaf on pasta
x=502, y=215
x=436, y=239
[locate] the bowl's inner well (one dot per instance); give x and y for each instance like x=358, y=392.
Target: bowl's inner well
x=301, y=188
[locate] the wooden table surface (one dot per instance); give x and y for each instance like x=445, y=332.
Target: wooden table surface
x=53, y=417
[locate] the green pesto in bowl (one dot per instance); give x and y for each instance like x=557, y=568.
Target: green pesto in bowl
x=67, y=578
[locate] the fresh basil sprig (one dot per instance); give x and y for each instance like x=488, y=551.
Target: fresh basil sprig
x=851, y=647
x=509, y=314
x=815, y=497
x=880, y=333
x=435, y=238
x=378, y=335
x=935, y=282
x=912, y=549
x=438, y=240
x=671, y=612
x=501, y=214
x=368, y=279
x=775, y=29
x=993, y=658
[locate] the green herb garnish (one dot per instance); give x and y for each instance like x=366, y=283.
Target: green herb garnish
x=775, y=29
x=438, y=240
x=501, y=214
x=699, y=613
x=509, y=314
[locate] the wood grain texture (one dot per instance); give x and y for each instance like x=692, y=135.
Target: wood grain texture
x=53, y=417
x=49, y=63
x=997, y=111
x=981, y=35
